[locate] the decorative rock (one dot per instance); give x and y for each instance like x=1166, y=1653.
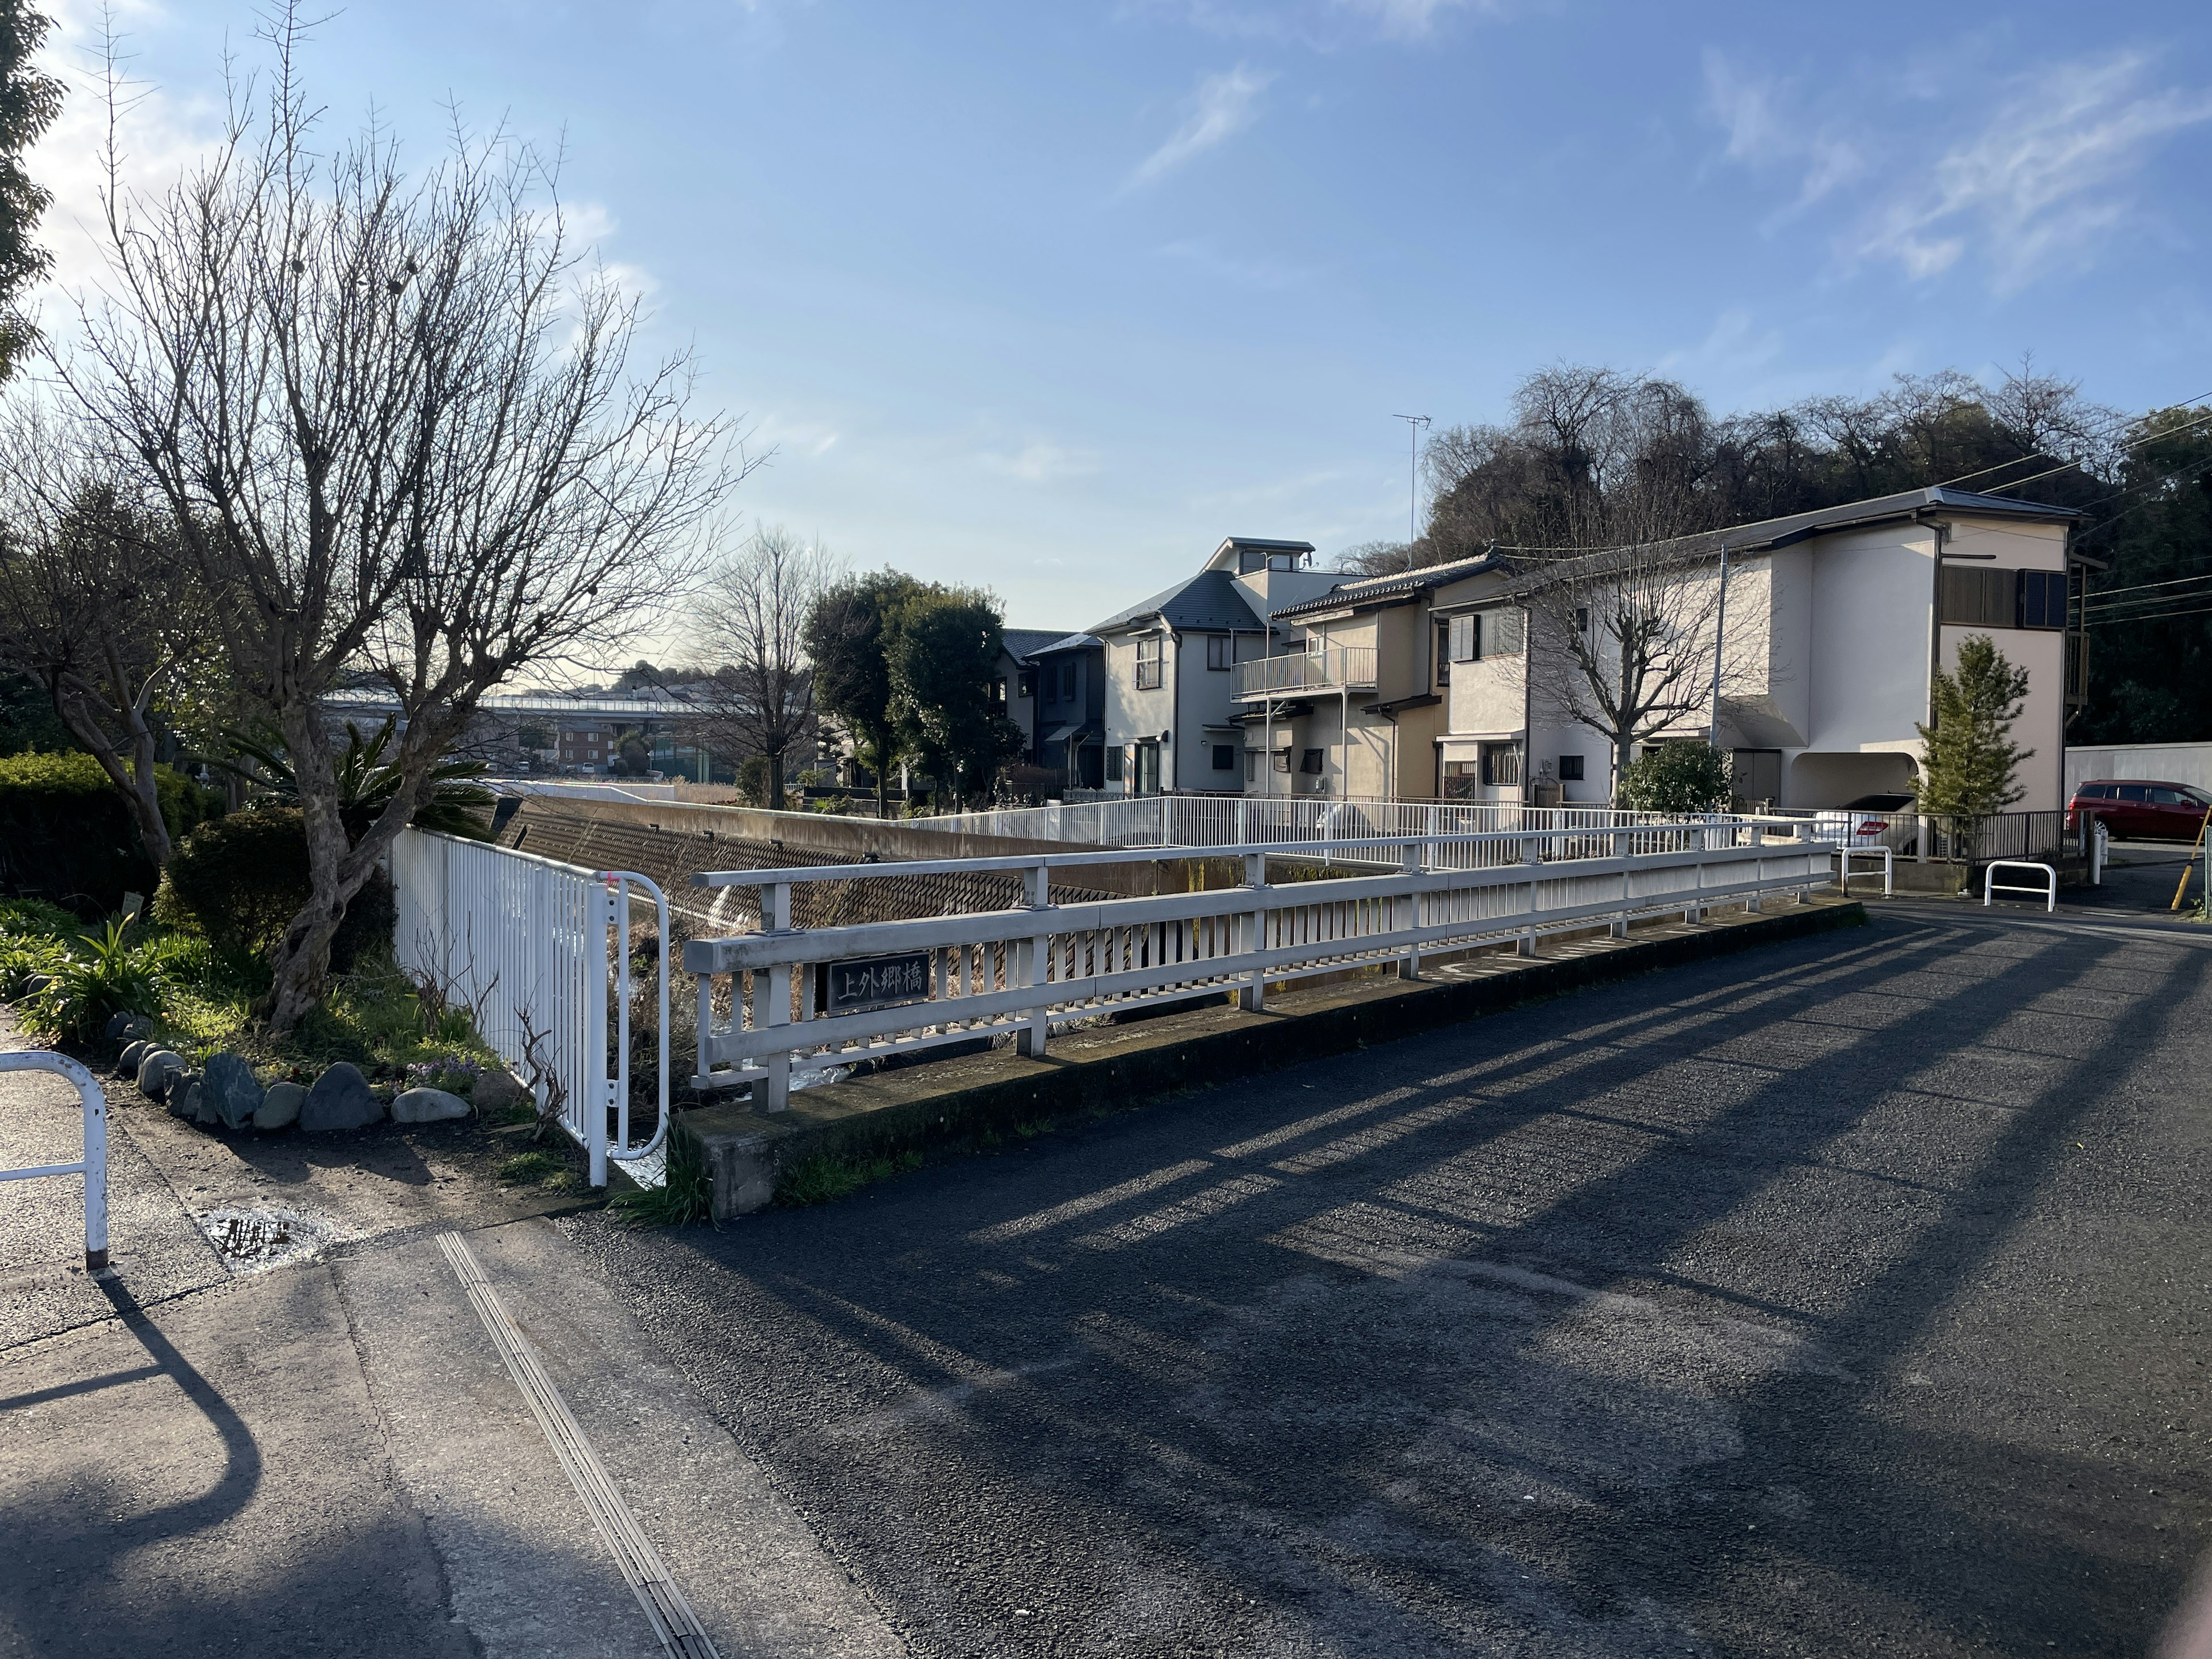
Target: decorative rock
x=184, y=1098
x=36, y=983
x=340, y=1099
x=154, y=1070
x=126, y=1064
x=129, y=1027
x=427, y=1106
x=279, y=1106
x=228, y=1091
x=498, y=1089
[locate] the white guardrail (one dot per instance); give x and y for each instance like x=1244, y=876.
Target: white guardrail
x=538, y=953
x=833, y=996
x=1277, y=820
x=93, y=1166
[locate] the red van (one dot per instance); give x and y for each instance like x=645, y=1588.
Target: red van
x=2142, y=808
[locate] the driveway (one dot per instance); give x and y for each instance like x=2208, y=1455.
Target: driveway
x=1845, y=1297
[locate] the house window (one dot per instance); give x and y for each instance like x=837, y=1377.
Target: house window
x=1221, y=652
x=1251, y=766
x=1466, y=639
x=1444, y=654
x=1310, y=762
x=1029, y=682
x=1148, y=661
x=1979, y=596
x=1225, y=757
x=1113, y=764
x=2042, y=598
x=1282, y=758
x=1460, y=778
x=1570, y=768
x=1068, y=681
x=1501, y=765
x=1582, y=619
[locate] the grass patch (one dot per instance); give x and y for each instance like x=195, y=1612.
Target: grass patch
x=539, y=1170
x=824, y=1179
x=687, y=1196
x=1036, y=1126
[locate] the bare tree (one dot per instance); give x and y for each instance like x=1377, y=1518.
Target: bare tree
x=396, y=425
x=1634, y=640
x=752, y=623
x=95, y=605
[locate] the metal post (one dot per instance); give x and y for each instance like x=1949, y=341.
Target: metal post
x=775, y=1095
x=1253, y=996
x=1033, y=963
x=1531, y=856
x=1407, y=913
x=592, y=1085
x=93, y=1166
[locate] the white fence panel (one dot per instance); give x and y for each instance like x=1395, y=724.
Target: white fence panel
x=522, y=942
x=825, y=996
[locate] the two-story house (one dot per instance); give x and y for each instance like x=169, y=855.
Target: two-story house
x=1172, y=717
x=1068, y=679
x=1444, y=683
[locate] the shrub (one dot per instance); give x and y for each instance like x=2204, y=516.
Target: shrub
x=99, y=976
x=35, y=919
x=21, y=960
x=66, y=836
x=1677, y=777
x=239, y=880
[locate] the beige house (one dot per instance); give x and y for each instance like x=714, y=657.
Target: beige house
x=1441, y=683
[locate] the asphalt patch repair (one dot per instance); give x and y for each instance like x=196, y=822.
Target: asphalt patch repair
x=1844, y=1296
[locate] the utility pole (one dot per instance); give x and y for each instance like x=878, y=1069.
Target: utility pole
x=1720, y=646
x=1413, y=425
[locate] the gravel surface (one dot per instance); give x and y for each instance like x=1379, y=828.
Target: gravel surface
x=1845, y=1296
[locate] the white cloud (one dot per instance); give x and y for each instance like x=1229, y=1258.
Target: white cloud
x=1040, y=462
x=1223, y=107
x=1323, y=24
x=2032, y=180
x=1736, y=348
x=1769, y=124
x=158, y=135
x=2044, y=182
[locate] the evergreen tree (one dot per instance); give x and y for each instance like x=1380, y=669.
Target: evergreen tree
x=1971, y=757
x=30, y=101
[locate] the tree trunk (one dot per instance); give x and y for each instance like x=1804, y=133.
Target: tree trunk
x=134, y=782
x=776, y=798
x=336, y=870
x=1622, y=743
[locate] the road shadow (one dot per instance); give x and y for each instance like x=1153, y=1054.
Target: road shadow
x=1590, y=1326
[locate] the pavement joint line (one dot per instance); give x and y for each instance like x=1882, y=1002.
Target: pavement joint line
x=670, y=1616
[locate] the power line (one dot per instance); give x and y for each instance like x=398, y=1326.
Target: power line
x=2103, y=594
x=2155, y=616
x=2053, y=473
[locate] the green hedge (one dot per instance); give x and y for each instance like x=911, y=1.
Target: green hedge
x=66, y=836
x=240, y=880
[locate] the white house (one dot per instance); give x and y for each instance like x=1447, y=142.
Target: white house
x=1439, y=683
x=1171, y=712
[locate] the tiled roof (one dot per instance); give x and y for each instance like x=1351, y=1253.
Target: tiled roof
x=1208, y=602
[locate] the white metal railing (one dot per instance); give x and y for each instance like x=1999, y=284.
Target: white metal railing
x=1889, y=857
x=537, y=951
x=829, y=996
x=1339, y=667
x=93, y=1166
x=2047, y=890
x=1280, y=821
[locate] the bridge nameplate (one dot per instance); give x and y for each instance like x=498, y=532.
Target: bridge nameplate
x=863, y=982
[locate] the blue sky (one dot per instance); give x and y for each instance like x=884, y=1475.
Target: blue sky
x=1051, y=296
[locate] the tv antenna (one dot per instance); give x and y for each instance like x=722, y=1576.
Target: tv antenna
x=1413, y=425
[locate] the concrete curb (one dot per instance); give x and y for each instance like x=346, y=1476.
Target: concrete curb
x=974, y=1099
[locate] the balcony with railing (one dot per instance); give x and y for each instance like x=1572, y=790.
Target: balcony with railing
x=1338, y=668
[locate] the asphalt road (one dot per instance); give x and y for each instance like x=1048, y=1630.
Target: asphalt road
x=1845, y=1296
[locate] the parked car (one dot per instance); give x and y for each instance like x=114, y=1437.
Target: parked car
x=2142, y=808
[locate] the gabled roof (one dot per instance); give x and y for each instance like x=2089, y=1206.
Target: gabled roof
x=1906, y=504
x=1382, y=589
x=1065, y=642
x=1020, y=643
x=1208, y=602
x=1762, y=535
